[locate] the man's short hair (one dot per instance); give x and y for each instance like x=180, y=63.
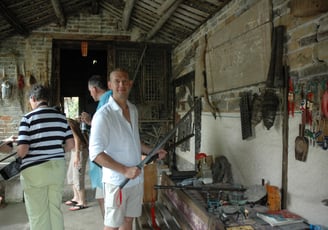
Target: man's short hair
x=98, y=81
x=118, y=69
x=39, y=92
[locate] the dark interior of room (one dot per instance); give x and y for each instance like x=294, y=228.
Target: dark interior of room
x=75, y=70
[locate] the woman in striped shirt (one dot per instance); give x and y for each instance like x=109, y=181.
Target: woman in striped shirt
x=44, y=137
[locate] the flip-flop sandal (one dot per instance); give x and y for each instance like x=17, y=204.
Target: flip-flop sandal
x=70, y=203
x=77, y=207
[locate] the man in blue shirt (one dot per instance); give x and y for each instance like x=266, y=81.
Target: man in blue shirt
x=99, y=92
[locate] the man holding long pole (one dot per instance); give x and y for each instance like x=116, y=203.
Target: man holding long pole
x=115, y=145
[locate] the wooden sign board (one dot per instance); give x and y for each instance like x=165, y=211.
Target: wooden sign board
x=242, y=62
x=238, y=54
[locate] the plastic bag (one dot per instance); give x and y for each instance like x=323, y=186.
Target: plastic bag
x=11, y=170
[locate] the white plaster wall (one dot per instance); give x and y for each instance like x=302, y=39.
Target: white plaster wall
x=261, y=157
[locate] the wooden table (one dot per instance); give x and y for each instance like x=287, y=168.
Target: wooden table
x=191, y=212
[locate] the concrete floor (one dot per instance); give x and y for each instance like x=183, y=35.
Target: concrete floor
x=13, y=217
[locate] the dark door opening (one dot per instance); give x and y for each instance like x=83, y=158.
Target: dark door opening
x=75, y=70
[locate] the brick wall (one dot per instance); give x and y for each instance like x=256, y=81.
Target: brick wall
x=32, y=56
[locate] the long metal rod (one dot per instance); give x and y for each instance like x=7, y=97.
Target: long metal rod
x=153, y=152
x=202, y=188
x=13, y=154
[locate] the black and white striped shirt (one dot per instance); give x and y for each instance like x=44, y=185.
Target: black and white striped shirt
x=45, y=131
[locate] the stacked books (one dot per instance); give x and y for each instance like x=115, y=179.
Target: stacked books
x=281, y=217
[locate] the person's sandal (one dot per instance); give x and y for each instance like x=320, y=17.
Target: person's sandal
x=70, y=203
x=77, y=207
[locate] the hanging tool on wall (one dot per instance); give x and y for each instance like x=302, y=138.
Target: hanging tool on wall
x=324, y=102
x=214, y=109
x=256, y=110
x=301, y=145
x=291, y=98
x=271, y=100
x=302, y=142
x=245, y=115
x=6, y=89
x=309, y=108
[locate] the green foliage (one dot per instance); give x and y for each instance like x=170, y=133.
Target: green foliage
x=71, y=107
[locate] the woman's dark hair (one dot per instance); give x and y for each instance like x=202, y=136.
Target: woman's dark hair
x=39, y=92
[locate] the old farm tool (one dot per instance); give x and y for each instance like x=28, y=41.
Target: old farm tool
x=301, y=145
x=256, y=111
x=271, y=100
x=269, y=107
x=302, y=142
x=245, y=115
x=153, y=152
x=214, y=109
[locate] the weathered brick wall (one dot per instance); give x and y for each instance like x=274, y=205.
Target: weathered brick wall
x=33, y=56
x=305, y=48
x=305, y=41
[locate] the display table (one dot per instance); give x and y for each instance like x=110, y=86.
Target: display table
x=191, y=210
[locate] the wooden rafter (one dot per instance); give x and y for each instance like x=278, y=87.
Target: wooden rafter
x=215, y=2
x=59, y=12
x=163, y=19
x=165, y=6
x=12, y=20
x=95, y=6
x=129, y=4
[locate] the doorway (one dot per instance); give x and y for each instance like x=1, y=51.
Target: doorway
x=75, y=70
x=149, y=65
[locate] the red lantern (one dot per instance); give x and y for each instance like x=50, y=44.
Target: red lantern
x=84, y=48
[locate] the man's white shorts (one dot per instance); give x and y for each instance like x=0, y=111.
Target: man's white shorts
x=129, y=204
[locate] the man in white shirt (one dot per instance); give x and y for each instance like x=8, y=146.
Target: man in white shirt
x=115, y=145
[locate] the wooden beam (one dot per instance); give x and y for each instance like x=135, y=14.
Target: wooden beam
x=163, y=19
x=12, y=20
x=285, y=136
x=165, y=6
x=129, y=4
x=95, y=7
x=215, y=2
x=96, y=37
x=59, y=12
